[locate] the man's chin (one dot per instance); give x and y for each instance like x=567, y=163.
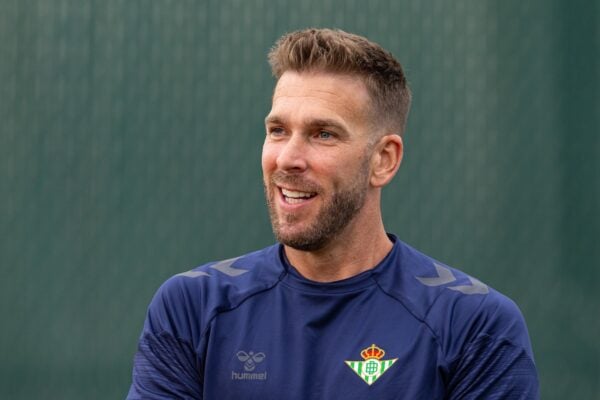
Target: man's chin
x=303, y=245
x=300, y=240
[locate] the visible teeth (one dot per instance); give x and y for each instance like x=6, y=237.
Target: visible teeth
x=291, y=200
x=296, y=195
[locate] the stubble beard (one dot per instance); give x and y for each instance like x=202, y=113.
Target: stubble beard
x=333, y=216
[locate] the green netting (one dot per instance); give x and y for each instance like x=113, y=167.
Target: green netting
x=130, y=137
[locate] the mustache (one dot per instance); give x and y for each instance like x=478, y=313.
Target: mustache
x=297, y=182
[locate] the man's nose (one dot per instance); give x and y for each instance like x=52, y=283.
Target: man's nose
x=293, y=155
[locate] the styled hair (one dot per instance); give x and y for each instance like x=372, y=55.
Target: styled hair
x=336, y=51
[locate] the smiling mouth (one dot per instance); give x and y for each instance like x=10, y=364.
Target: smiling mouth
x=296, y=197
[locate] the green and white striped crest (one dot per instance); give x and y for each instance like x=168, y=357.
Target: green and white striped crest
x=371, y=369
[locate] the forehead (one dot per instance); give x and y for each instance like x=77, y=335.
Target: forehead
x=308, y=95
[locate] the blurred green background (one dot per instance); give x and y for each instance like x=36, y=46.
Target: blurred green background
x=130, y=139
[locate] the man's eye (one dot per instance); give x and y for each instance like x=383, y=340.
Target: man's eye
x=276, y=131
x=324, y=135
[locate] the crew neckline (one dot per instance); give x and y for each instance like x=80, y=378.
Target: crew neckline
x=294, y=279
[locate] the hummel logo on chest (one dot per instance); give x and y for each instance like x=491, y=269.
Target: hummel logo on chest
x=250, y=360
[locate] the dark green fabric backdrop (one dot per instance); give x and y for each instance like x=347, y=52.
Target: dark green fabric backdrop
x=130, y=139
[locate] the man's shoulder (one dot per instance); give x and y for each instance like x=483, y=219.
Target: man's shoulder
x=228, y=280
x=239, y=272
x=421, y=281
x=214, y=287
x=457, y=307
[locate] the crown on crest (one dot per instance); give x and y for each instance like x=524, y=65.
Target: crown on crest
x=372, y=352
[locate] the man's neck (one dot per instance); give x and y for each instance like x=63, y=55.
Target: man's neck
x=348, y=255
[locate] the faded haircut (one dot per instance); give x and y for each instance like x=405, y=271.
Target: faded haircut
x=336, y=51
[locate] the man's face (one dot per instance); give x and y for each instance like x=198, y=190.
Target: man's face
x=315, y=157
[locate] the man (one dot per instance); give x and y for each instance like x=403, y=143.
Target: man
x=338, y=309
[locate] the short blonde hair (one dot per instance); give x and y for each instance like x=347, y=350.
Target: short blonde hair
x=337, y=51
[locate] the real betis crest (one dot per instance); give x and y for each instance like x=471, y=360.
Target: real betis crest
x=372, y=366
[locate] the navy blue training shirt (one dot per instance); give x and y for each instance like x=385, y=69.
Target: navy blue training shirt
x=254, y=328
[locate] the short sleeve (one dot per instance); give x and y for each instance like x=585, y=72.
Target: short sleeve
x=166, y=365
x=494, y=369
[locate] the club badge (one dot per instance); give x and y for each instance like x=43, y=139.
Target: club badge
x=372, y=366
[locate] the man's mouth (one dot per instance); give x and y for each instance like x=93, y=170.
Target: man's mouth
x=296, y=197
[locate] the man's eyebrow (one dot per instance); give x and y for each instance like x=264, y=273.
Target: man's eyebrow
x=326, y=122
x=317, y=122
x=272, y=119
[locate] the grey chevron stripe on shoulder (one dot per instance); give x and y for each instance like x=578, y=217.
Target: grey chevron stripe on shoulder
x=476, y=287
x=445, y=276
x=193, y=274
x=223, y=267
x=226, y=268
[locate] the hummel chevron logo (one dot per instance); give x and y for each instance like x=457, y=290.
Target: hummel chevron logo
x=226, y=268
x=445, y=276
x=221, y=266
x=372, y=367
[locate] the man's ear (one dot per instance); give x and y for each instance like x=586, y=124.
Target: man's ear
x=386, y=159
